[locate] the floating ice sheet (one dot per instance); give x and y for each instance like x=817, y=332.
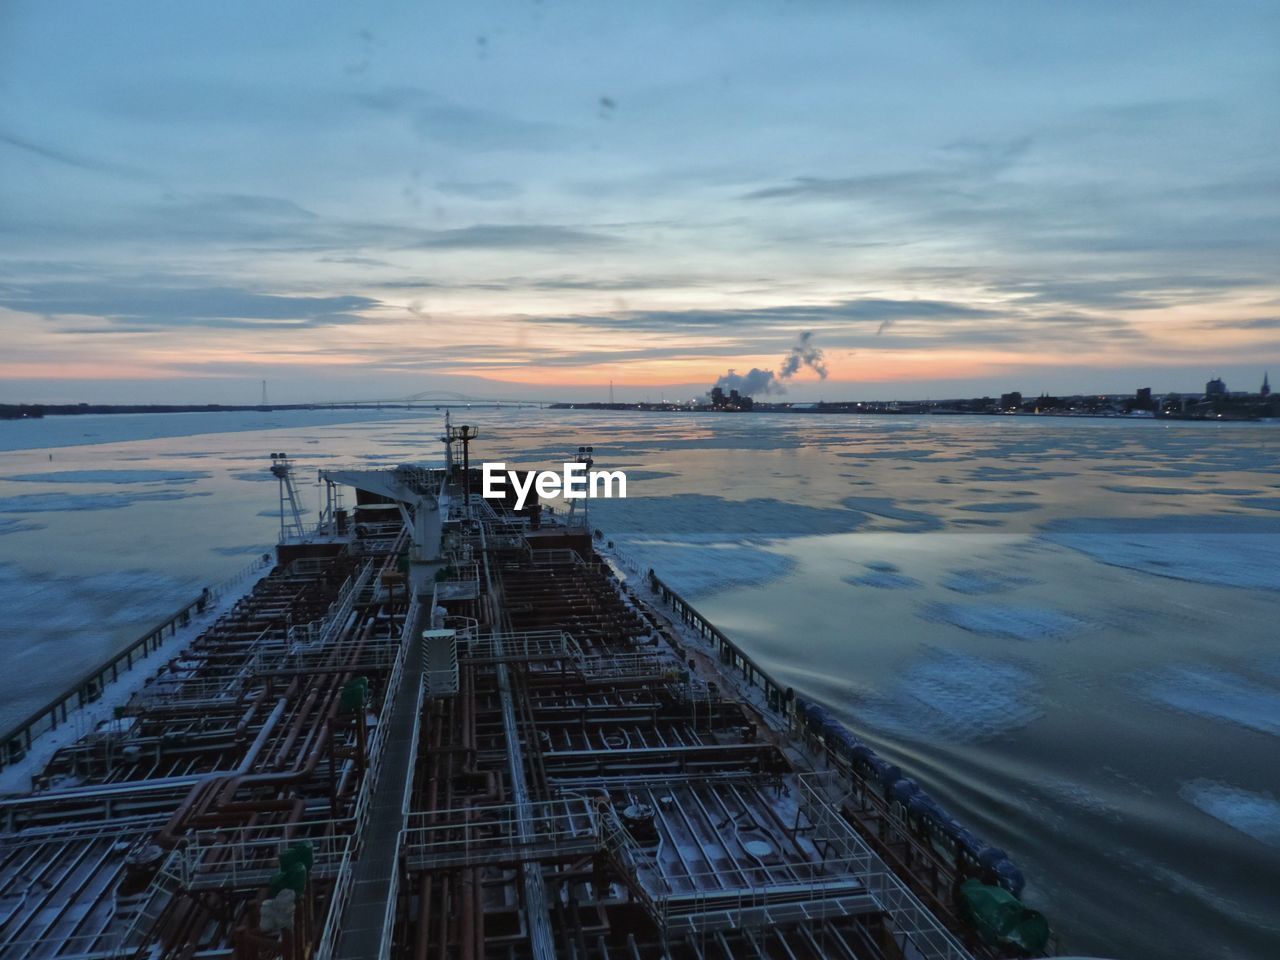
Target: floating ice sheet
x=52, y=621
x=1215, y=694
x=1254, y=814
x=996, y=474
x=698, y=567
x=697, y=513
x=1007, y=506
x=62, y=502
x=956, y=697
x=914, y=521
x=1153, y=491
x=979, y=582
x=79, y=429
x=1224, y=550
x=110, y=476
x=641, y=475
x=884, y=580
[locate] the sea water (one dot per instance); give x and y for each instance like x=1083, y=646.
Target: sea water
x=1067, y=629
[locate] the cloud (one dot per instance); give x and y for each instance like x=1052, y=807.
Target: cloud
x=480, y=190
x=262, y=223
x=245, y=207
x=444, y=122
x=360, y=262
x=1145, y=292
x=862, y=323
x=497, y=236
x=1254, y=323
x=866, y=309
x=136, y=308
x=828, y=188
x=966, y=162
x=71, y=159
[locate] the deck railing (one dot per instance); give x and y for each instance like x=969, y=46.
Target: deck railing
x=777, y=697
x=505, y=833
x=526, y=645
x=248, y=856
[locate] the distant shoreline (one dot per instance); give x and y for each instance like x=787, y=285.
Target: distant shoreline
x=9, y=412
x=38, y=411
x=915, y=410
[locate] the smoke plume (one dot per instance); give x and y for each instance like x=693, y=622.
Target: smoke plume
x=803, y=354
x=756, y=382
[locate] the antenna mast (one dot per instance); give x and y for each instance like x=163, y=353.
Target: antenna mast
x=465, y=434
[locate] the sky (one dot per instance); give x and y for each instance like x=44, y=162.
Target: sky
x=537, y=199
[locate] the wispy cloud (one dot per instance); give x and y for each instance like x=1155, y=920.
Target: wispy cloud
x=480, y=189
x=71, y=158
x=507, y=236
x=443, y=121
x=866, y=310
x=138, y=308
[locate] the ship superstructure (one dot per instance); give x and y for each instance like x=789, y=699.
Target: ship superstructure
x=440, y=727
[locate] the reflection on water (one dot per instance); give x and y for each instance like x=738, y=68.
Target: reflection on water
x=1066, y=628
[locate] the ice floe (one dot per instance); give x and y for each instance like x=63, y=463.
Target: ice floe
x=75, y=430
x=1215, y=694
x=1153, y=491
x=698, y=513
x=110, y=476
x=995, y=474
x=641, y=475
x=883, y=575
x=1017, y=623
x=59, y=502
x=913, y=521
x=51, y=621
x=884, y=581
x=1006, y=506
x=697, y=568
x=957, y=697
x=1254, y=814
x=979, y=582
x=1228, y=551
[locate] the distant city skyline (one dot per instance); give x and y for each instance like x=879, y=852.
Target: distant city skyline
x=542, y=199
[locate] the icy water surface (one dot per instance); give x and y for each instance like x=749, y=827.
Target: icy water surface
x=1066, y=628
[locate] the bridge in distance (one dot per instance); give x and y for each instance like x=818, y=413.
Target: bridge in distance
x=433, y=399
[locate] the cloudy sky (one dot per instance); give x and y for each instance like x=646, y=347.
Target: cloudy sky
x=531, y=199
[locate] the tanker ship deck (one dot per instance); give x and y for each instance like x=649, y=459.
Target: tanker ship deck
x=443, y=728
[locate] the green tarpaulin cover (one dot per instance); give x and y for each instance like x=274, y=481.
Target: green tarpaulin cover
x=1001, y=919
